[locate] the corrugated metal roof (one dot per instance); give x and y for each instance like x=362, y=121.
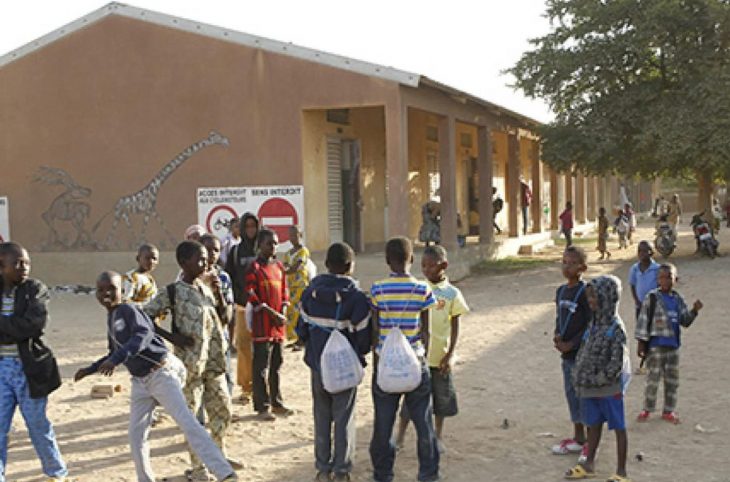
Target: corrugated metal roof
x=332, y=60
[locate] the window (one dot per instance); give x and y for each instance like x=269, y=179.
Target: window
x=339, y=116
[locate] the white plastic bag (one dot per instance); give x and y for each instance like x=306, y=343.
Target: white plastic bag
x=399, y=370
x=341, y=368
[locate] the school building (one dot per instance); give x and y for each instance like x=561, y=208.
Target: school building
x=110, y=125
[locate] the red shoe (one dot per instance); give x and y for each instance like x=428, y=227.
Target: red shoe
x=643, y=416
x=671, y=417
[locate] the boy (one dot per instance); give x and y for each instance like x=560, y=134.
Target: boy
x=26, y=379
x=157, y=378
x=621, y=226
x=599, y=376
x=566, y=223
x=267, y=293
x=603, y=234
x=297, y=280
x=334, y=301
x=443, y=335
x=138, y=285
x=231, y=239
x=643, y=274
x=196, y=313
x=658, y=332
x=402, y=301
x=217, y=279
x=572, y=317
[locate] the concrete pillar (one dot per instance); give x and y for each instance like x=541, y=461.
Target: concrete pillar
x=592, y=198
x=396, y=158
x=537, y=182
x=484, y=168
x=513, y=185
x=447, y=172
x=580, y=199
x=554, y=200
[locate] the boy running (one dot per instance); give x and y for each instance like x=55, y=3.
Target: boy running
x=600, y=375
x=334, y=301
x=267, y=293
x=138, y=285
x=26, y=379
x=443, y=335
x=402, y=301
x=658, y=331
x=157, y=378
x=572, y=317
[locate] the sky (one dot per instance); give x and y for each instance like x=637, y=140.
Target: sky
x=463, y=43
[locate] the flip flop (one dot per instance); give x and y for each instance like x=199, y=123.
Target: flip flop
x=578, y=472
x=618, y=478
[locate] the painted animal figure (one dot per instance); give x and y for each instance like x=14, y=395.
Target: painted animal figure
x=66, y=207
x=144, y=202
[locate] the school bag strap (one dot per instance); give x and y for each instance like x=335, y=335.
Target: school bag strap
x=563, y=327
x=171, y=293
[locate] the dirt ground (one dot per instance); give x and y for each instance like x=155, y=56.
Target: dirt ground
x=507, y=370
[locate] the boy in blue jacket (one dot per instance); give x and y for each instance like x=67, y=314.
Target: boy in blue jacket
x=334, y=301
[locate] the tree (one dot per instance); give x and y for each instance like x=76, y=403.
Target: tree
x=638, y=87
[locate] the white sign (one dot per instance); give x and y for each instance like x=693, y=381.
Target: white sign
x=276, y=207
x=4, y=220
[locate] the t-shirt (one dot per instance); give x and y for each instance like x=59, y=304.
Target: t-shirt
x=7, y=309
x=266, y=283
x=449, y=303
x=138, y=288
x=572, y=315
x=672, y=308
x=644, y=282
x=399, y=300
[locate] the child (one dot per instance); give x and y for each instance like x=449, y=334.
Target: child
x=621, y=227
x=334, y=301
x=231, y=239
x=402, y=301
x=267, y=293
x=218, y=280
x=28, y=371
x=196, y=314
x=443, y=335
x=603, y=234
x=297, y=279
x=138, y=285
x=237, y=265
x=572, y=317
x=631, y=217
x=658, y=331
x=157, y=378
x=600, y=373
x=566, y=223
x=643, y=274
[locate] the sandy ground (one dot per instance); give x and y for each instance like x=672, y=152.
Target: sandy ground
x=507, y=370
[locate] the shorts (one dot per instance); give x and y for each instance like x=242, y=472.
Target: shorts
x=574, y=405
x=604, y=409
x=443, y=393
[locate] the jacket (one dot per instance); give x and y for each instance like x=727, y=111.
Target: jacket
x=25, y=328
x=603, y=355
x=660, y=326
x=333, y=302
x=239, y=260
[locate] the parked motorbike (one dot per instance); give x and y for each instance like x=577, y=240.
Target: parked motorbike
x=664, y=242
x=706, y=242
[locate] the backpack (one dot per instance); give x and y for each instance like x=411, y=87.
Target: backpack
x=497, y=205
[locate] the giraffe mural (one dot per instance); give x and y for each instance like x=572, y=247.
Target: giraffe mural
x=144, y=202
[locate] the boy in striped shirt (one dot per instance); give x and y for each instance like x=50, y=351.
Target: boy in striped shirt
x=402, y=301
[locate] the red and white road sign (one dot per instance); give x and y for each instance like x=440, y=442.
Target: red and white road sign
x=278, y=215
x=219, y=218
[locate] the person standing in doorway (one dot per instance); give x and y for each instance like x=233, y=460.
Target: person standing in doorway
x=525, y=201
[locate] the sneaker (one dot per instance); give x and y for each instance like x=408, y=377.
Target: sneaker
x=643, y=416
x=283, y=411
x=583, y=457
x=265, y=416
x=567, y=446
x=671, y=417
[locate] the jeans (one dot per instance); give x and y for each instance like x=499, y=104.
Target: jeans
x=568, y=233
x=525, y=219
x=338, y=410
x=382, y=450
x=164, y=387
x=570, y=395
x=267, y=361
x=14, y=393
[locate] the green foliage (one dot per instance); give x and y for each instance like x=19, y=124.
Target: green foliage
x=639, y=87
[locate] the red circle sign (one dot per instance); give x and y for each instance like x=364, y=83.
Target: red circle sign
x=217, y=218
x=278, y=215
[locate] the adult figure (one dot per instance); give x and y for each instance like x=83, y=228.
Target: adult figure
x=497, y=206
x=675, y=211
x=525, y=201
x=430, y=231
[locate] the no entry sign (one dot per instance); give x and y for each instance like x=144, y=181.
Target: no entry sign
x=277, y=207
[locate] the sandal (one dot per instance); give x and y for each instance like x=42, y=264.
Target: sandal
x=618, y=478
x=578, y=472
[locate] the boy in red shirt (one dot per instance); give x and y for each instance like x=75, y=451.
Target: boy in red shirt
x=267, y=293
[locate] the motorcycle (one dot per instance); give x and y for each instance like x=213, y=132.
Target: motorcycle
x=664, y=241
x=706, y=242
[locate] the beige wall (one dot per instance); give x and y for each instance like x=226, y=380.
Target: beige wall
x=368, y=126
x=112, y=103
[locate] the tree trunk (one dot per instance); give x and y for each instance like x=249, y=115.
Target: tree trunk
x=705, y=190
